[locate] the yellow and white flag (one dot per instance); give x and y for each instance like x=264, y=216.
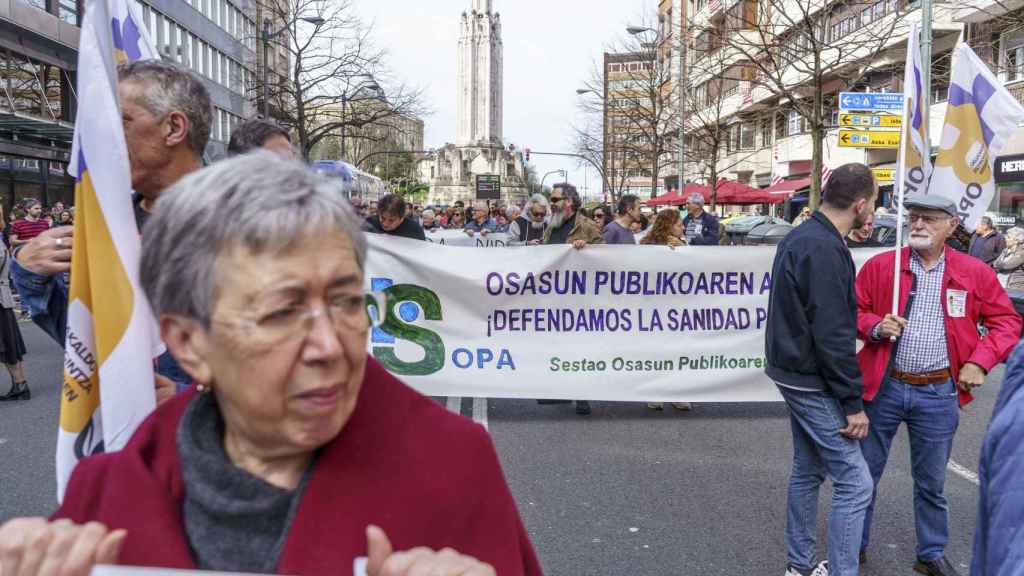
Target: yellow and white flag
x=108, y=368
x=981, y=117
x=916, y=166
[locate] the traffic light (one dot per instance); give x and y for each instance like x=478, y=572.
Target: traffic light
x=527, y=153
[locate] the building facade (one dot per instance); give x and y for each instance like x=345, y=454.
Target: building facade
x=764, y=138
x=479, y=150
x=38, y=62
x=628, y=117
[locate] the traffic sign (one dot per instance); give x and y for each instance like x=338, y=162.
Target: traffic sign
x=849, y=138
x=870, y=120
x=488, y=187
x=883, y=175
x=871, y=101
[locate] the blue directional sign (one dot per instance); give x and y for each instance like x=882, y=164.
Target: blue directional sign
x=871, y=101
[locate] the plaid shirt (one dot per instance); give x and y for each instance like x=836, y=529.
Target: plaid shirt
x=922, y=348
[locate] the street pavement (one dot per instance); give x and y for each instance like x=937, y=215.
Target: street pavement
x=623, y=491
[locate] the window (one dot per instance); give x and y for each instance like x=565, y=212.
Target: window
x=41, y=4
x=197, y=55
x=225, y=130
x=1012, y=63
x=766, y=132
x=747, y=136
x=794, y=124
x=69, y=12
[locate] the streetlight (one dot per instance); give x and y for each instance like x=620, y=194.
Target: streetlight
x=565, y=177
x=267, y=37
x=681, y=146
x=370, y=85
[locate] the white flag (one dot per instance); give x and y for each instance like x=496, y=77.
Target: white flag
x=981, y=117
x=917, y=166
x=108, y=368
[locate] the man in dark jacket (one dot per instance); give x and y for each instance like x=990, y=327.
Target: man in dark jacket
x=810, y=344
x=987, y=243
x=701, y=227
x=997, y=537
x=392, y=218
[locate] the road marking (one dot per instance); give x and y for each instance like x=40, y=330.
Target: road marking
x=480, y=412
x=963, y=472
x=3, y=441
x=455, y=404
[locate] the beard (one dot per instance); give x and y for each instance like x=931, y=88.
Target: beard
x=556, y=219
x=536, y=225
x=921, y=242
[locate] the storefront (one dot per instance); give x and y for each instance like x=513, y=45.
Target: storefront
x=1007, y=207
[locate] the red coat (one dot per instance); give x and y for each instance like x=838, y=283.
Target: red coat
x=987, y=302
x=426, y=476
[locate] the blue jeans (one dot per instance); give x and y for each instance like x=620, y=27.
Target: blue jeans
x=932, y=414
x=819, y=450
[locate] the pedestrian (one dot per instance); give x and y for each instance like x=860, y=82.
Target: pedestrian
x=393, y=219
x=288, y=436
x=12, y=346
x=802, y=217
x=998, y=549
x=701, y=226
x=1010, y=264
x=65, y=219
x=166, y=112
x=430, y=222
x=530, y=231
x=863, y=237
x=925, y=376
x=567, y=226
x=32, y=225
x=986, y=242
x=501, y=223
x=640, y=225
x=602, y=216
x=810, y=344
x=257, y=133
x=619, y=230
x=667, y=231
x=457, y=220
x=481, y=223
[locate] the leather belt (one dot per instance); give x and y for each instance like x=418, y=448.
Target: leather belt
x=936, y=377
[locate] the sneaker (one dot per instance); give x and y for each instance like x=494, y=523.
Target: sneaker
x=820, y=570
x=682, y=406
x=655, y=406
x=938, y=567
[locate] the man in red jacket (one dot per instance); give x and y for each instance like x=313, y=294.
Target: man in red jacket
x=919, y=367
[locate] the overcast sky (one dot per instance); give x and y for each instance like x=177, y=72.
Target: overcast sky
x=550, y=48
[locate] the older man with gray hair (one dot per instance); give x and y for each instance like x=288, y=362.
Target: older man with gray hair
x=529, y=229
x=701, y=227
x=166, y=113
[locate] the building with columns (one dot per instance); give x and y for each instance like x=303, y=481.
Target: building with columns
x=479, y=149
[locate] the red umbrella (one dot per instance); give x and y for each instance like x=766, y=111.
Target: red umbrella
x=665, y=199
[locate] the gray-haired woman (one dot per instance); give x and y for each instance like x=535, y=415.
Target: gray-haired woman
x=294, y=453
x=1011, y=261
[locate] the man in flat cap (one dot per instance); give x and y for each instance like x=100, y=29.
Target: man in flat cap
x=919, y=367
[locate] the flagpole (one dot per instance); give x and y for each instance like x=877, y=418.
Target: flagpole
x=900, y=186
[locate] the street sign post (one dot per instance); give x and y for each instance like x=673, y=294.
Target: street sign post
x=870, y=120
x=884, y=175
x=871, y=101
x=488, y=187
x=850, y=138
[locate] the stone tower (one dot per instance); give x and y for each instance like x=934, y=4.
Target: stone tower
x=480, y=77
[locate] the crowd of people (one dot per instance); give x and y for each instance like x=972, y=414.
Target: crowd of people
x=276, y=434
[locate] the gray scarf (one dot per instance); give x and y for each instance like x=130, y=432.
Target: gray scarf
x=234, y=521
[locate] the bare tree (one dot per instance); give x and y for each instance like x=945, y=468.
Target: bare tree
x=803, y=52
x=630, y=98
x=338, y=80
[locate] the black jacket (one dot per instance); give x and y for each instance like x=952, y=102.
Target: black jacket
x=811, y=334
x=708, y=231
x=407, y=229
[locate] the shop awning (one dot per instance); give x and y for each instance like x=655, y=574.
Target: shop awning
x=787, y=187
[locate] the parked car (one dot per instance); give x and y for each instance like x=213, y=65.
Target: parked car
x=768, y=233
x=737, y=229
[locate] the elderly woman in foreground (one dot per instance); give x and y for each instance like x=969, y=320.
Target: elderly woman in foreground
x=294, y=453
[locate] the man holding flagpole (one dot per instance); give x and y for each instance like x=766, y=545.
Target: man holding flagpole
x=918, y=314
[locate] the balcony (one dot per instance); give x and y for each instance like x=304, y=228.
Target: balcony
x=1017, y=90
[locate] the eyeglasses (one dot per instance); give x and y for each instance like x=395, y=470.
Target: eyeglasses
x=538, y=214
x=295, y=322
x=928, y=220
x=556, y=200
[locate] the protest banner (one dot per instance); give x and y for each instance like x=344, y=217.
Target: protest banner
x=461, y=238
x=636, y=323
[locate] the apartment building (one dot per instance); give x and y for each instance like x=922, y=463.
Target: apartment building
x=994, y=30
x=764, y=138
x=217, y=39
x=629, y=115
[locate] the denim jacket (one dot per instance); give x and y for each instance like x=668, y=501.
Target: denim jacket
x=45, y=298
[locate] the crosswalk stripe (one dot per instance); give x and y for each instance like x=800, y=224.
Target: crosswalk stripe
x=480, y=412
x=455, y=404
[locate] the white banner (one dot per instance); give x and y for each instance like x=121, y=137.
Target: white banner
x=462, y=238
x=634, y=323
